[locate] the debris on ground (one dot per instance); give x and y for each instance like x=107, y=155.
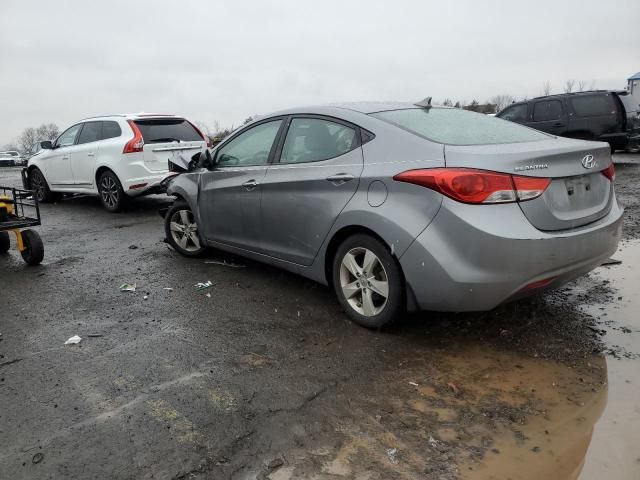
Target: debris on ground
x=413, y=384
x=453, y=388
x=432, y=441
x=611, y=261
x=146, y=297
x=208, y=295
x=202, y=286
x=94, y=335
x=132, y=247
x=225, y=263
x=275, y=463
x=37, y=458
x=73, y=340
x=392, y=454
x=128, y=287
x=168, y=289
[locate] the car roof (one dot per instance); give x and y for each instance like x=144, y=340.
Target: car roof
x=360, y=107
x=131, y=116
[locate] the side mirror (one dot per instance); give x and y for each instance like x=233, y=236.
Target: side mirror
x=46, y=145
x=206, y=160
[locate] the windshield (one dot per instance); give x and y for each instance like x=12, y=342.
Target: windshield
x=459, y=127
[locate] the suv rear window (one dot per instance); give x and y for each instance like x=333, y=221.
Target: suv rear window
x=459, y=127
x=592, y=105
x=167, y=130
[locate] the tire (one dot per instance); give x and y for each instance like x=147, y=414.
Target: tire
x=41, y=189
x=5, y=243
x=34, y=249
x=182, y=231
x=367, y=305
x=111, y=193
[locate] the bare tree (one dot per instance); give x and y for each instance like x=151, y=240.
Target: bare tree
x=47, y=131
x=592, y=85
x=581, y=85
x=546, y=88
x=458, y=105
x=28, y=139
x=447, y=102
x=568, y=86
x=501, y=101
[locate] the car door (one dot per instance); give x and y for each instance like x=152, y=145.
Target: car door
x=316, y=172
x=549, y=116
x=229, y=201
x=83, y=156
x=57, y=165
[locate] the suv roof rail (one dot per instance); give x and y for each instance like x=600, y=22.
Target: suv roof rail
x=579, y=93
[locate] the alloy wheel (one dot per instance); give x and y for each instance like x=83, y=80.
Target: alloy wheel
x=37, y=184
x=364, y=281
x=109, y=191
x=184, y=230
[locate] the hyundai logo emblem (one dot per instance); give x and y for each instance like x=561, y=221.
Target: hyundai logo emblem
x=589, y=161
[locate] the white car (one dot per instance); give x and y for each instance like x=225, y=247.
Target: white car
x=116, y=157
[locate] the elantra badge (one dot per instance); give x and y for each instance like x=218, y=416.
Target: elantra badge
x=589, y=162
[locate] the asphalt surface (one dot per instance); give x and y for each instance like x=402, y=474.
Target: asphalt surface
x=262, y=375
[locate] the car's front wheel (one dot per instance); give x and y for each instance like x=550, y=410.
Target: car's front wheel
x=40, y=187
x=111, y=193
x=181, y=230
x=368, y=281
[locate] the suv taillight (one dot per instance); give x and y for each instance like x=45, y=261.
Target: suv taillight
x=204, y=137
x=137, y=142
x=469, y=185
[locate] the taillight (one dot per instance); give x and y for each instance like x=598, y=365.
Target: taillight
x=204, y=137
x=476, y=186
x=610, y=172
x=137, y=142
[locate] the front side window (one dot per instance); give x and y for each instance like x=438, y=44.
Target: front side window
x=453, y=126
x=68, y=137
x=592, y=105
x=91, y=132
x=546, y=111
x=110, y=129
x=313, y=139
x=516, y=113
x=249, y=148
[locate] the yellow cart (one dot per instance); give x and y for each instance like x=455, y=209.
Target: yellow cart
x=19, y=210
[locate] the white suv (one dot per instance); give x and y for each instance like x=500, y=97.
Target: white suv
x=116, y=157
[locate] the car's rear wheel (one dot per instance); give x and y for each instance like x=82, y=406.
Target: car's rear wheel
x=368, y=281
x=40, y=187
x=181, y=230
x=112, y=195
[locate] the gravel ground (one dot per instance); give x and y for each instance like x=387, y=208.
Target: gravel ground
x=265, y=378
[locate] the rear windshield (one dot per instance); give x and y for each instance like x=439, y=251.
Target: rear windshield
x=459, y=127
x=167, y=130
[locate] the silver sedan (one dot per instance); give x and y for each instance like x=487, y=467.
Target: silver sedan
x=403, y=207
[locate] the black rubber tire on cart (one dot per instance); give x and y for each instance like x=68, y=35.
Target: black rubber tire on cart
x=34, y=249
x=5, y=244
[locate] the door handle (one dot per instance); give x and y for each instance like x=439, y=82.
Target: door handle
x=250, y=185
x=340, y=178
x=90, y=154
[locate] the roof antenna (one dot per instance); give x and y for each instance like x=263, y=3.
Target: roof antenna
x=425, y=103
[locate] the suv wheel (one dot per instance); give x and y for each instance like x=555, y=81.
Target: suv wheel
x=181, y=230
x=40, y=187
x=112, y=195
x=368, y=282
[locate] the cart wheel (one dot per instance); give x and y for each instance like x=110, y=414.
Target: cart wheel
x=5, y=244
x=34, y=249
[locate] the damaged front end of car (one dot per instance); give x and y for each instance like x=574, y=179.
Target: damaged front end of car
x=180, y=182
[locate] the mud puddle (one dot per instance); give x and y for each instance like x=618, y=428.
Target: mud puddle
x=614, y=451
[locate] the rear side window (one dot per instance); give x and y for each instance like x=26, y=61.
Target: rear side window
x=167, y=130
x=459, y=127
x=312, y=140
x=545, y=111
x=91, y=132
x=110, y=130
x=592, y=105
x=516, y=113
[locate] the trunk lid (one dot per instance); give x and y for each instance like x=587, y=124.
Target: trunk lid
x=577, y=195
x=166, y=139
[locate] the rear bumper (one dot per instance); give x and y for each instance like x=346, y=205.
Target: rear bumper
x=147, y=185
x=473, y=258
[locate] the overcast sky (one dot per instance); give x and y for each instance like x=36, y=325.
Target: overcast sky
x=223, y=61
